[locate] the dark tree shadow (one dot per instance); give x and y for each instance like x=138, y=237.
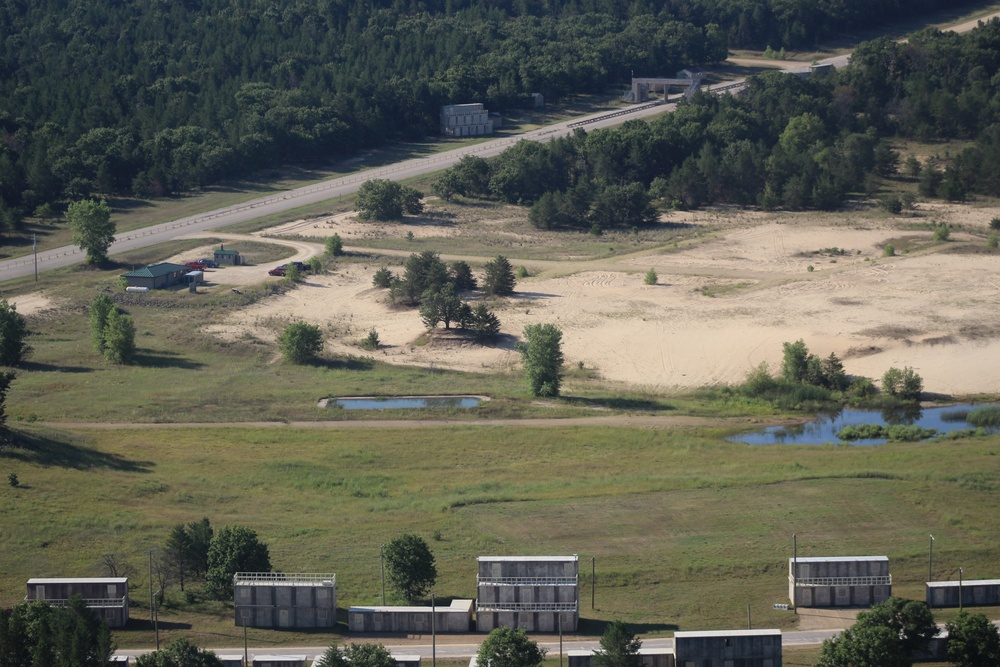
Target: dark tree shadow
x=595, y=628
x=616, y=403
x=345, y=364
x=51, y=368
x=162, y=359
x=48, y=451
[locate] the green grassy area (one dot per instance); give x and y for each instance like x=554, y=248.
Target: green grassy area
x=685, y=527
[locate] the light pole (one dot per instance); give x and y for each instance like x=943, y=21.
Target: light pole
x=930, y=561
x=381, y=560
x=433, y=634
x=960, y=573
x=593, y=570
x=156, y=616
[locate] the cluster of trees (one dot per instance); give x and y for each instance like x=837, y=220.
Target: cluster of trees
x=786, y=142
x=804, y=376
x=14, y=349
x=381, y=199
x=509, y=647
x=432, y=286
x=112, y=332
x=893, y=632
x=195, y=551
x=34, y=633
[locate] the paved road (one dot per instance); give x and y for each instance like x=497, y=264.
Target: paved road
x=449, y=649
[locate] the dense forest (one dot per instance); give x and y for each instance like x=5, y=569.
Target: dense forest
x=150, y=97
x=784, y=142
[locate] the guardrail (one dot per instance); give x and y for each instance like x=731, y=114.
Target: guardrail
x=528, y=581
x=885, y=580
x=282, y=578
x=526, y=606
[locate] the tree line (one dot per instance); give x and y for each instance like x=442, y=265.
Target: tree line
x=784, y=142
x=149, y=98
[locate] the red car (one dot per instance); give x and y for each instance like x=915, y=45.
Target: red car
x=277, y=271
x=196, y=266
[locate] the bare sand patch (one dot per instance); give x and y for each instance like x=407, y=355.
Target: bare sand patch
x=722, y=305
x=243, y=275
x=30, y=304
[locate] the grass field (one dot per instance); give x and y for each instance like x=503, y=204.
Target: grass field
x=686, y=528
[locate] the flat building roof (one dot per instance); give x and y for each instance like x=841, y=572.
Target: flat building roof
x=456, y=605
x=837, y=559
x=80, y=580
x=964, y=583
x=537, y=559
x=692, y=634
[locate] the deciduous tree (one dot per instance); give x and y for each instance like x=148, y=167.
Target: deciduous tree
x=179, y=653
x=92, y=228
x=119, y=338
x=100, y=309
x=301, y=343
x=14, y=332
x=410, y=566
x=234, y=549
x=358, y=655
x=973, y=641
x=381, y=199
x=509, y=647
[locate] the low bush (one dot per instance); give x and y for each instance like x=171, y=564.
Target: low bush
x=985, y=416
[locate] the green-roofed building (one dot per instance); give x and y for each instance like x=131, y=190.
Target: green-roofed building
x=223, y=256
x=157, y=276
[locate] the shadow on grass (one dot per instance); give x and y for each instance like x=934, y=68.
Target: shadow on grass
x=51, y=368
x=161, y=359
x=147, y=625
x=594, y=627
x=47, y=451
x=617, y=403
x=345, y=364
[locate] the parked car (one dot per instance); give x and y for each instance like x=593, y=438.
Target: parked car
x=210, y=263
x=196, y=266
x=277, y=271
x=301, y=265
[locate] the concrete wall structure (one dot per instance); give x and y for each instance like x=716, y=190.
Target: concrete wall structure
x=280, y=661
x=648, y=657
x=534, y=593
x=975, y=593
x=274, y=600
x=454, y=618
x=848, y=581
x=465, y=120
x=231, y=660
x=106, y=596
x=728, y=648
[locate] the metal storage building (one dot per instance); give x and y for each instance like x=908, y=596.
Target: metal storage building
x=535, y=593
x=842, y=581
x=648, y=657
x=465, y=120
x=279, y=661
x=975, y=593
x=106, y=596
x=728, y=648
x=276, y=600
x=454, y=618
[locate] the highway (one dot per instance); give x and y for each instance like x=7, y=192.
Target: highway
x=310, y=194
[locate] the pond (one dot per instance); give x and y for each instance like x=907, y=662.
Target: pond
x=406, y=402
x=824, y=428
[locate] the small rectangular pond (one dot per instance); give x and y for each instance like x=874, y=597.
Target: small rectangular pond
x=405, y=402
x=824, y=428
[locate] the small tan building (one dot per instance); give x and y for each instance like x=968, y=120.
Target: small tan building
x=454, y=618
x=106, y=596
x=223, y=256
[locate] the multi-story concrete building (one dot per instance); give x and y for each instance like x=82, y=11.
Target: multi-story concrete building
x=465, y=120
x=728, y=648
x=535, y=593
x=106, y=596
x=275, y=600
x=841, y=581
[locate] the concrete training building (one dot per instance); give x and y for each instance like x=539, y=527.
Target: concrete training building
x=275, y=600
x=454, y=618
x=465, y=120
x=106, y=596
x=648, y=657
x=847, y=581
x=974, y=593
x=535, y=593
x=728, y=648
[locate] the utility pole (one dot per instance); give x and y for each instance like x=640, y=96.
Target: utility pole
x=34, y=250
x=381, y=559
x=930, y=561
x=559, y=614
x=961, y=572
x=592, y=580
x=152, y=621
x=749, y=624
x=433, y=634
x=246, y=653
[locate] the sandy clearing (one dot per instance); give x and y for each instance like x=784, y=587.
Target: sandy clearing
x=723, y=304
x=243, y=275
x=31, y=304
